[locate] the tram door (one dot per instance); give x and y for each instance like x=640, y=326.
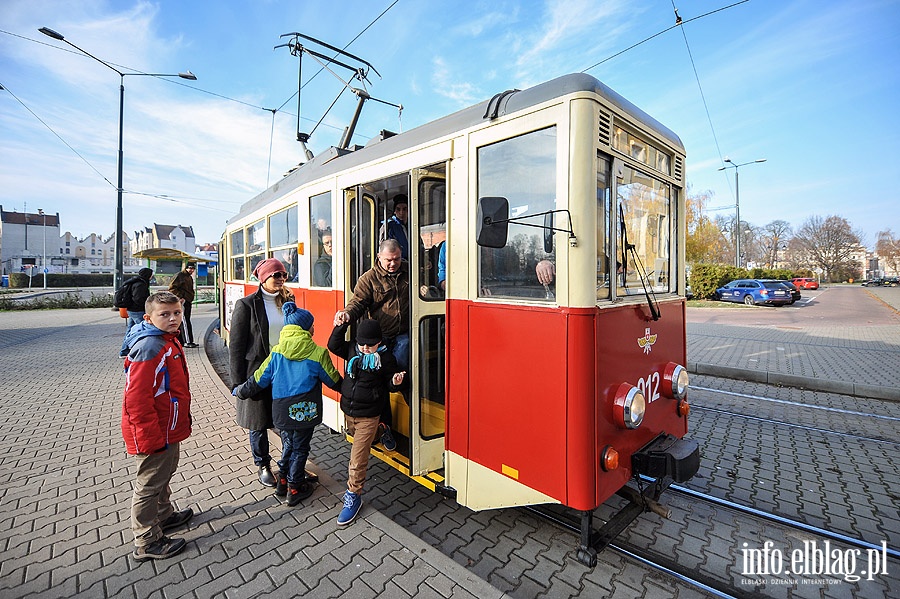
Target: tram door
x=418, y=415
x=428, y=229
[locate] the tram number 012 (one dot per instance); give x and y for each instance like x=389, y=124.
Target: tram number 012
x=650, y=387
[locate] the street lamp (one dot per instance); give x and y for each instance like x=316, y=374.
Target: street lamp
x=44, y=259
x=737, y=206
x=120, y=265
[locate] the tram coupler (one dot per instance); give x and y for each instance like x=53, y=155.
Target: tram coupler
x=667, y=456
x=651, y=504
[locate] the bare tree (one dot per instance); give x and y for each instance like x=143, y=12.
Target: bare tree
x=775, y=237
x=828, y=244
x=888, y=249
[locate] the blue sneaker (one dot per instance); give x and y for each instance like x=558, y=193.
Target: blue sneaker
x=387, y=439
x=352, y=503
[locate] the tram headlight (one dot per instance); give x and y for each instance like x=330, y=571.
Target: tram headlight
x=628, y=406
x=676, y=381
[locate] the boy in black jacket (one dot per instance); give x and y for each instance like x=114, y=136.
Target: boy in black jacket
x=372, y=372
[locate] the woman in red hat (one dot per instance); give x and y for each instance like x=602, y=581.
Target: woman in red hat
x=255, y=325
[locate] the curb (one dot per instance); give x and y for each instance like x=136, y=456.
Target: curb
x=801, y=382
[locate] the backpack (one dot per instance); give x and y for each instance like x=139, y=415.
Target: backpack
x=122, y=298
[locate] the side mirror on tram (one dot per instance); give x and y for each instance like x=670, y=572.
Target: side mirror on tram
x=548, y=233
x=492, y=222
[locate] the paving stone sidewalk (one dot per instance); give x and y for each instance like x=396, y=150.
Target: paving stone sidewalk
x=65, y=491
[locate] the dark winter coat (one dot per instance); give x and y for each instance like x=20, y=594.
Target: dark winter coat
x=363, y=392
x=156, y=403
x=139, y=291
x=182, y=286
x=383, y=296
x=295, y=371
x=248, y=347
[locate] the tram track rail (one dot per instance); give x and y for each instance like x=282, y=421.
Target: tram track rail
x=718, y=587
x=653, y=561
x=782, y=520
x=799, y=404
x=797, y=426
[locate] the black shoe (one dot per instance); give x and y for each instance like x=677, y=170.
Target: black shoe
x=311, y=477
x=176, y=520
x=161, y=548
x=297, y=493
x=281, y=488
x=191, y=344
x=266, y=477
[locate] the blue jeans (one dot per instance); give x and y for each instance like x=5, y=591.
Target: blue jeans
x=133, y=319
x=259, y=447
x=294, y=452
x=399, y=346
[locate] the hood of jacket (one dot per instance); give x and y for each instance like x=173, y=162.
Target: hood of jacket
x=141, y=330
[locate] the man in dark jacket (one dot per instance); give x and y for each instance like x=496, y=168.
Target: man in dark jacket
x=138, y=292
x=382, y=293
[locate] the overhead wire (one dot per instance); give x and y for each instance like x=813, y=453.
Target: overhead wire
x=44, y=123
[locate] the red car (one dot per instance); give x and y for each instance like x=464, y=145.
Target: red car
x=805, y=283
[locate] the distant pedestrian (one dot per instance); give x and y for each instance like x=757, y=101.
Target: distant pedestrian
x=156, y=417
x=371, y=373
x=295, y=370
x=137, y=290
x=182, y=285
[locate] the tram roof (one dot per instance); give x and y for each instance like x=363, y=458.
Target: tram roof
x=334, y=159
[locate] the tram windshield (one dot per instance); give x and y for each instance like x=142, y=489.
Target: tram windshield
x=644, y=207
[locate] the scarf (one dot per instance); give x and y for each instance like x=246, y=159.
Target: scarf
x=361, y=361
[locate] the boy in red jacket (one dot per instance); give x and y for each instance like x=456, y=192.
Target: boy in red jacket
x=156, y=417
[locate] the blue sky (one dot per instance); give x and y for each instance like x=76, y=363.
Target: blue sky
x=812, y=86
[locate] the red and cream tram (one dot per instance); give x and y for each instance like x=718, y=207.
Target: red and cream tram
x=522, y=392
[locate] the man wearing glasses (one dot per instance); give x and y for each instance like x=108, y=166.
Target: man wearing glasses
x=322, y=267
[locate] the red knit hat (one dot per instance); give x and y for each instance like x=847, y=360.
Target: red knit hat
x=267, y=268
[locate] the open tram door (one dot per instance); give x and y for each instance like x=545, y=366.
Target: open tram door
x=418, y=414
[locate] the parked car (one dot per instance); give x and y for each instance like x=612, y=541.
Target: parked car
x=873, y=283
x=753, y=291
x=805, y=283
x=795, y=293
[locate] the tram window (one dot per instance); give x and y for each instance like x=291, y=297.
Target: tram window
x=431, y=376
x=237, y=253
x=256, y=237
x=522, y=169
x=644, y=206
x=432, y=217
x=320, y=240
x=362, y=234
x=254, y=260
x=283, y=239
x=256, y=243
x=237, y=267
x=604, y=195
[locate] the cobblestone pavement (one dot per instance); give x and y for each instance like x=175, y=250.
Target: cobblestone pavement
x=65, y=491
x=65, y=488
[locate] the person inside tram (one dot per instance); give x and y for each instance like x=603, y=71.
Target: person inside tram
x=322, y=267
x=397, y=226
